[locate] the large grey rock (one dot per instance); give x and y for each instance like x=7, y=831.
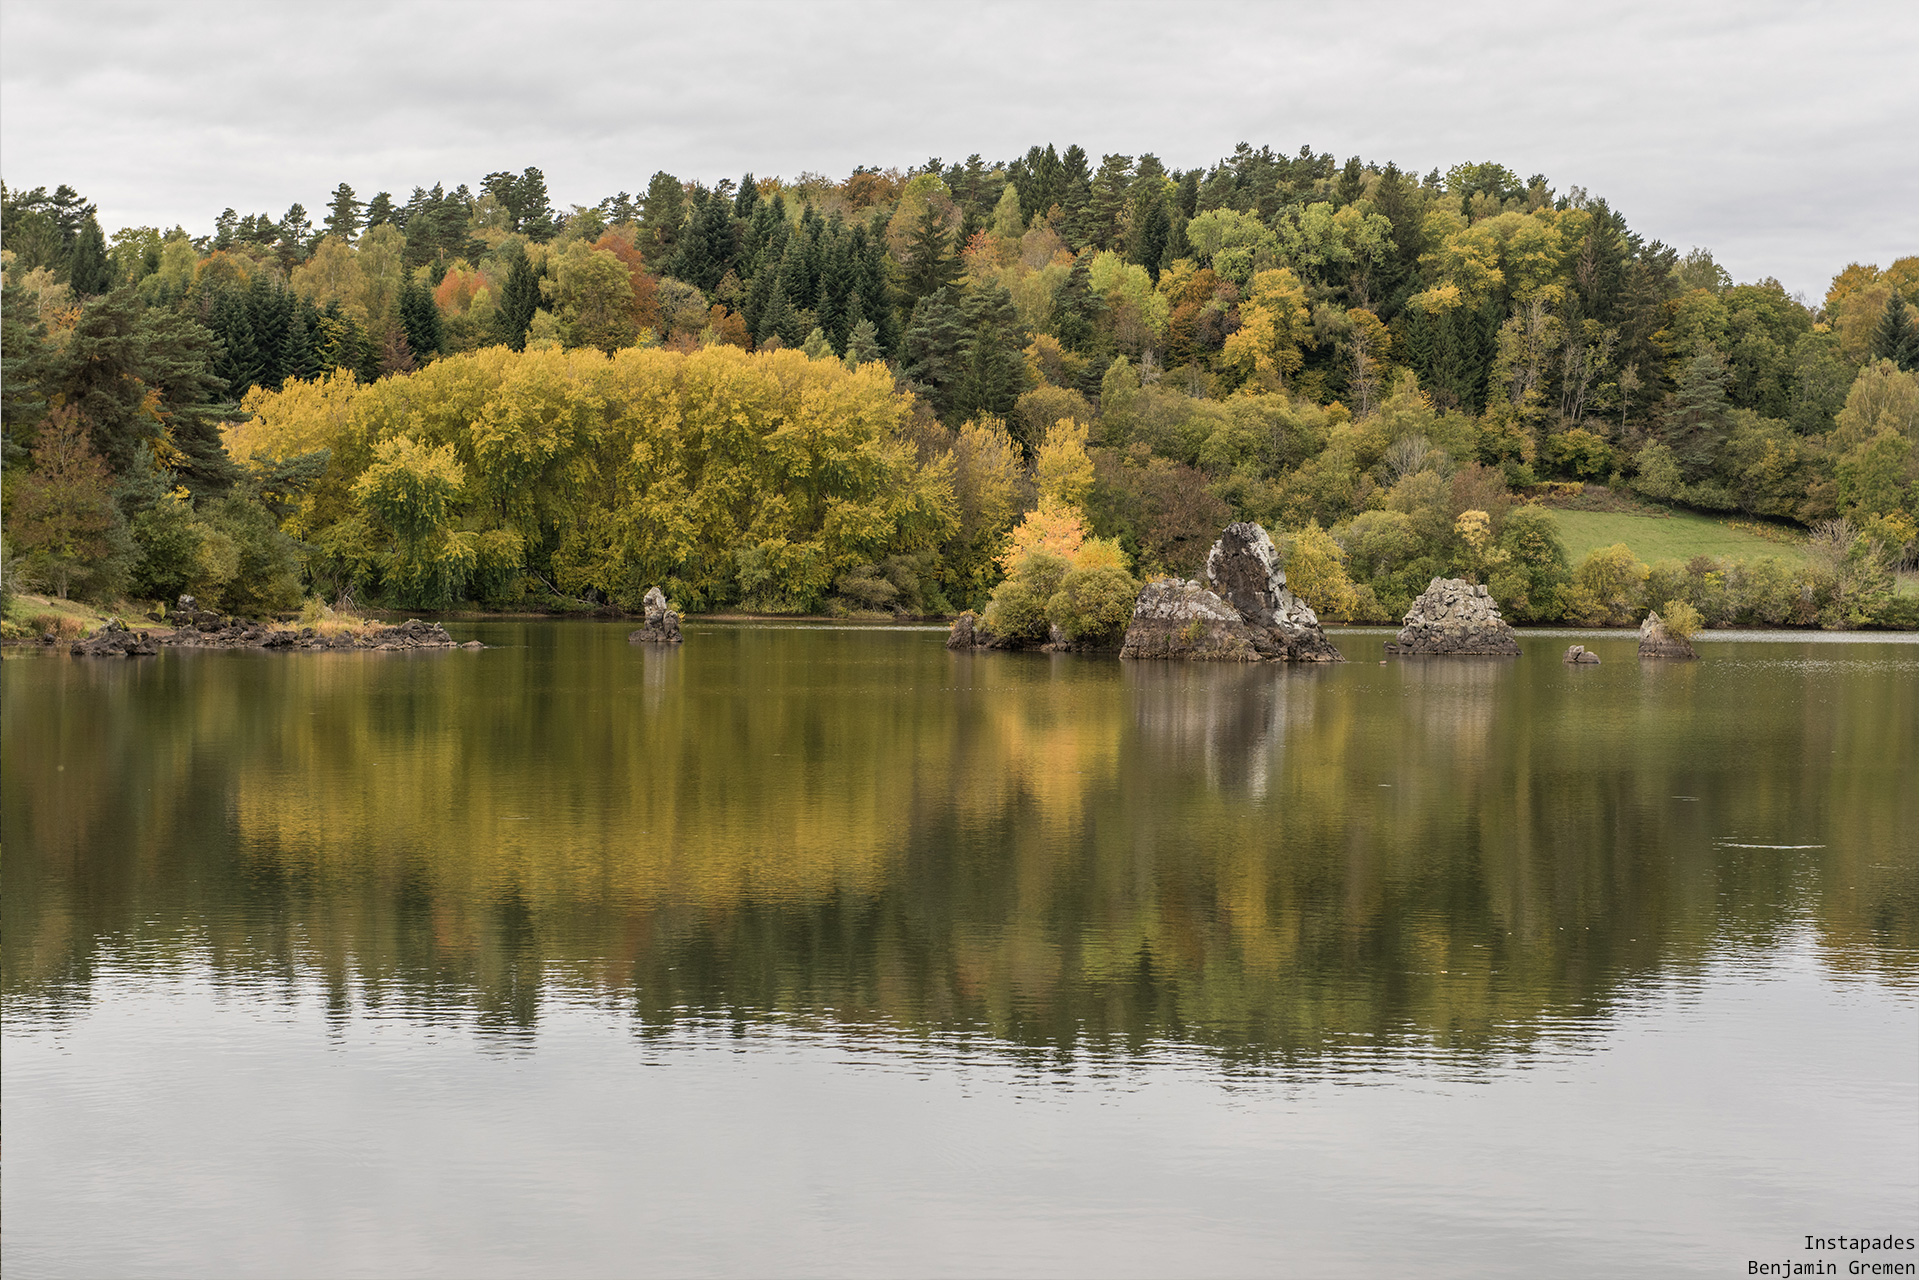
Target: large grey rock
x=1454, y=616
x=1658, y=642
x=1176, y=619
x=660, y=624
x=1244, y=613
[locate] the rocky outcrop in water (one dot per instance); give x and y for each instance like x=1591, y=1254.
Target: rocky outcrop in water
x=1176, y=619
x=1453, y=616
x=1244, y=613
x=660, y=625
x=1658, y=642
x=1579, y=655
x=244, y=633
x=114, y=640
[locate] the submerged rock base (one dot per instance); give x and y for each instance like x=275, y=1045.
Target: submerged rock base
x=1658, y=642
x=1454, y=616
x=661, y=625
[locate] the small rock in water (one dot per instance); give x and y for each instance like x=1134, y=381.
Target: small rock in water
x=661, y=625
x=1577, y=655
x=1658, y=642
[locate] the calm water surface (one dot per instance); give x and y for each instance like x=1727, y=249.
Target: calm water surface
x=821, y=951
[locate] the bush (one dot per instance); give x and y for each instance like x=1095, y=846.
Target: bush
x=1093, y=604
x=1608, y=588
x=1682, y=619
x=1017, y=612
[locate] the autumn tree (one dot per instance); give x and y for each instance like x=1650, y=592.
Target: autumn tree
x=61, y=511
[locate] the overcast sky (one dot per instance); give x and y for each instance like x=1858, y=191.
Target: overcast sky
x=1783, y=137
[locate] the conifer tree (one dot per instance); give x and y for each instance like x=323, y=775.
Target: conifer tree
x=933, y=357
x=519, y=296
x=380, y=211
x=420, y=321
x=663, y=211
x=930, y=265
x=1893, y=337
x=863, y=345
x=994, y=369
x=343, y=213
x=88, y=270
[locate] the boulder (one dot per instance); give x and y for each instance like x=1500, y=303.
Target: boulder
x=1658, y=642
x=660, y=624
x=1577, y=655
x=965, y=632
x=1243, y=568
x=1453, y=616
x=1176, y=619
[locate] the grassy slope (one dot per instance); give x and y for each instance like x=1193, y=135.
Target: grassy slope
x=1674, y=537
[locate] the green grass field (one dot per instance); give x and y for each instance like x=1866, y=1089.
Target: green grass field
x=1674, y=537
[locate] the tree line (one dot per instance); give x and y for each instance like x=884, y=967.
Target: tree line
x=1045, y=352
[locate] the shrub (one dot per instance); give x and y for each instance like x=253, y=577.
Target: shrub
x=1017, y=612
x=1093, y=604
x=1681, y=618
x=1608, y=588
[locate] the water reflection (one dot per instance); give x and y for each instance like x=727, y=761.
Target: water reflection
x=856, y=828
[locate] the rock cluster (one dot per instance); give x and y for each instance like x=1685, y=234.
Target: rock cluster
x=1580, y=655
x=243, y=633
x=114, y=640
x=1453, y=616
x=1244, y=613
x=659, y=625
x=1658, y=642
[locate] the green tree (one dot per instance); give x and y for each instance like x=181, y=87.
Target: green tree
x=1893, y=337
x=930, y=265
x=343, y=214
x=663, y=211
x=519, y=296
x=88, y=270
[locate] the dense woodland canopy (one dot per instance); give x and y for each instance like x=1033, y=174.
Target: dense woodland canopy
x=1019, y=386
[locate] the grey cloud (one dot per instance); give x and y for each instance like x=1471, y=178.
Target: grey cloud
x=1782, y=136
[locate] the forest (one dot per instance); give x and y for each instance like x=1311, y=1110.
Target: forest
x=1021, y=387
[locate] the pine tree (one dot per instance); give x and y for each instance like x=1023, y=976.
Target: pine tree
x=420, y=321
x=930, y=265
x=933, y=357
x=533, y=216
x=343, y=214
x=746, y=199
x=380, y=211
x=1697, y=417
x=995, y=371
x=663, y=211
x=774, y=315
x=836, y=288
x=1076, y=308
x=238, y=365
x=519, y=297
x=863, y=345
x=1893, y=338
x=88, y=270
x=1107, y=202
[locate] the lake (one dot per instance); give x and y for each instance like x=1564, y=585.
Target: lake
x=812, y=950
